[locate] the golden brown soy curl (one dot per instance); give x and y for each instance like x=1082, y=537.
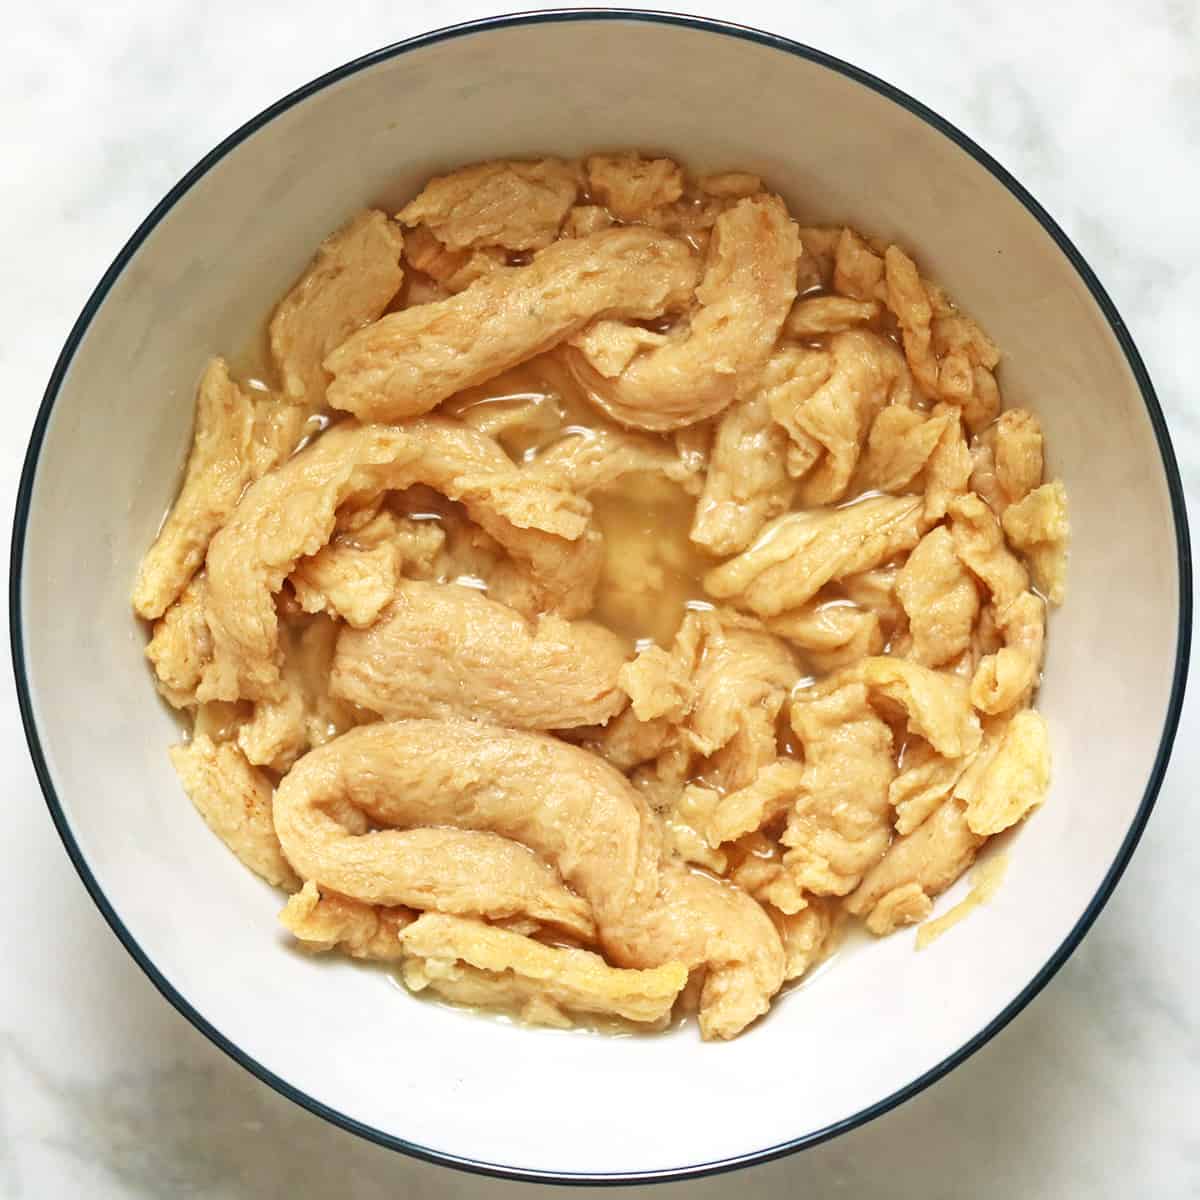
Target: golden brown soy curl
x=748, y=287
x=563, y=803
x=354, y=274
x=444, y=650
x=474, y=963
x=746, y=484
x=218, y=468
x=290, y=513
x=408, y=362
x=352, y=277
x=461, y=871
x=234, y=798
x=466, y=872
x=514, y=204
x=918, y=867
x=800, y=552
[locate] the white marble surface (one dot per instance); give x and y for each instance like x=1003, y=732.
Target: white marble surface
x=106, y=1092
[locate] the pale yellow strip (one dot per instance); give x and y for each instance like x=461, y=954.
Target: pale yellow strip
x=986, y=879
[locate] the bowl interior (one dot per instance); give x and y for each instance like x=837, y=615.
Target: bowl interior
x=879, y=1016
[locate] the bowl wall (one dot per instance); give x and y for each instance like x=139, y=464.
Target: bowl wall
x=880, y=1016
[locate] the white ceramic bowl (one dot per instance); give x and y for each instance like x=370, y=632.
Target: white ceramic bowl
x=881, y=1022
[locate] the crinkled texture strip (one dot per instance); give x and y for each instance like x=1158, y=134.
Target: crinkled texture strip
x=815, y=316
x=218, y=470
x=627, y=742
x=352, y=583
x=858, y=272
x=532, y=585
x=469, y=962
x=234, y=799
x=980, y=544
x=746, y=484
x=355, y=576
x=408, y=362
x=1008, y=677
x=466, y=872
x=748, y=287
x=564, y=804
x=926, y=778
x=277, y=733
x=1019, y=453
x=940, y=599
x=947, y=473
x=796, y=555
x=441, y=650
x=517, y=205
x=951, y=357
x=1016, y=778
x=806, y=934
x=866, y=372
x=901, y=888
x=742, y=676
x=874, y=590
x=180, y=648
x=935, y=703
x=899, y=446
x=792, y=375
x=820, y=254
x=590, y=462
x=1007, y=459
x=632, y=187
x=730, y=184
x=830, y=634
x=840, y=824
x=585, y=219
x=303, y=712
x=326, y=921
x=1038, y=525
x=451, y=271
x=773, y=791
x=658, y=684
x=353, y=276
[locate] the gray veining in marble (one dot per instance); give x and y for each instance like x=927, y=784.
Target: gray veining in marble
x=106, y=1092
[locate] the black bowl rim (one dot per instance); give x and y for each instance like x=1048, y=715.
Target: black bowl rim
x=1099, y=295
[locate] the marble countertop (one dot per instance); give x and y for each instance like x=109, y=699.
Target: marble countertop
x=106, y=1092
